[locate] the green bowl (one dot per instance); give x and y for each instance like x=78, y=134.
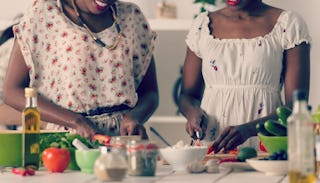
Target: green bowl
x=274, y=143
x=11, y=146
x=86, y=158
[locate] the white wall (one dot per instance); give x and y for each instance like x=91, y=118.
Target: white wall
x=309, y=9
x=11, y=8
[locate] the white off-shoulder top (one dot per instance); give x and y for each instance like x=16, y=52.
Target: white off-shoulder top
x=243, y=77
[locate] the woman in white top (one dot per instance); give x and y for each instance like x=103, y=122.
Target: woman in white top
x=238, y=60
x=91, y=62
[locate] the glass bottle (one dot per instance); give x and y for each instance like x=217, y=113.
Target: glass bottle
x=110, y=165
x=316, y=120
x=30, y=130
x=301, y=141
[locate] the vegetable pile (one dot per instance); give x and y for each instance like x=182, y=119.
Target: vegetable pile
x=276, y=127
x=62, y=140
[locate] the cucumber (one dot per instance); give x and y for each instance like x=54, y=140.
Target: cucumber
x=283, y=113
x=275, y=128
x=261, y=129
x=282, y=122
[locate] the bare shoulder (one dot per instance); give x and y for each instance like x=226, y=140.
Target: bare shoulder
x=217, y=15
x=273, y=12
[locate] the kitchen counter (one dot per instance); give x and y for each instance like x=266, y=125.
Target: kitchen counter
x=164, y=175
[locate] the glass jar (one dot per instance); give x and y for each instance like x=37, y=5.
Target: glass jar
x=142, y=158
x=110, y=165
x=118, y=144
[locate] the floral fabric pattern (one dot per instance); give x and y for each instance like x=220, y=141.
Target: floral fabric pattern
x=71, y=70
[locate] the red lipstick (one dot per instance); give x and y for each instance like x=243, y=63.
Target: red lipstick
x=233, y=2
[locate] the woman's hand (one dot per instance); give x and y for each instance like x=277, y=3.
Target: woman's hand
x=131, y=127
x=230, y=138
x=85, y=127
x=197, y=124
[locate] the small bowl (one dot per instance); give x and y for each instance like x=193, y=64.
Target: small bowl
x=269, y=167
x=274, y=143
x=86, y=158
x=179, y=158
x=11, y=146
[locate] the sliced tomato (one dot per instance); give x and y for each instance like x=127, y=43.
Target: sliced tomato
x=233, y=151
x=102, y=139
x=228, y=160
x=210, y=149
x=262, y=147
x=23, y=171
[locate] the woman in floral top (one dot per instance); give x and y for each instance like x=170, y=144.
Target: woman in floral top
x=91, y=62
x=237, y=62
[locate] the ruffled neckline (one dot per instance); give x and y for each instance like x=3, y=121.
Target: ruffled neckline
x=276, y=26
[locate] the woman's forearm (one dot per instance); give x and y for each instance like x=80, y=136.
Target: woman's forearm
x=190, y=107
x=251, y=126
x=49, y=111
x=144, y=108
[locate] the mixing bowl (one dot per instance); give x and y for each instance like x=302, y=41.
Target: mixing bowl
x=179, y=158
x=274, y=143
x=86, y=158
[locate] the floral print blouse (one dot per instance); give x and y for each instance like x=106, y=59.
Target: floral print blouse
x=70, y=69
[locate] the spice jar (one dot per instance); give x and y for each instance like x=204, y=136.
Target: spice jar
x=110, y=165
x=142, y=158
x=118, y=144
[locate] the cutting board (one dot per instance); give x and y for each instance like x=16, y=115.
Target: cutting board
x=219, y=156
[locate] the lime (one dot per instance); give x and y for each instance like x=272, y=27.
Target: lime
x=246, y=153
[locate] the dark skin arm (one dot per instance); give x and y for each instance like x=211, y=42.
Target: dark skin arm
x=17, y=79
x=297, y=75
x=191, y=94
x=148, y=100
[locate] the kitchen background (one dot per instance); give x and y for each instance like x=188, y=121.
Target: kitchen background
x=170, y=50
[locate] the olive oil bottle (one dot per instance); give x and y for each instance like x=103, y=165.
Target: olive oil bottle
x=301, y=142
x=31, y=130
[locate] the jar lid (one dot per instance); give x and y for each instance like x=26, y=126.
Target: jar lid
x=141, y=145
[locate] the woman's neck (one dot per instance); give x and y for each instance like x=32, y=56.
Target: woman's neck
x=96, y=22
x=255, y=8
x=80, y=4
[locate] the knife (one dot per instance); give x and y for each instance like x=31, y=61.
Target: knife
x=159, y=136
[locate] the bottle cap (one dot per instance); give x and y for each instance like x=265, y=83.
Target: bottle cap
x=30, y=92
x=299, y=95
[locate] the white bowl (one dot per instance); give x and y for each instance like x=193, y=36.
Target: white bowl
x=269, y=167
x=179, y=158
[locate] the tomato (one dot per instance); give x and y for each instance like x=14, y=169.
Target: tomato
x=23, y=171
x=56, y=159
x=233, y=151
x=102, y=139
x=262, y=148
x=228, y=160
x=210, y=149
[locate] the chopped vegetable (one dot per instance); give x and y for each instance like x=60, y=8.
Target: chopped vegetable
x=23, y=171
x=228, y=160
